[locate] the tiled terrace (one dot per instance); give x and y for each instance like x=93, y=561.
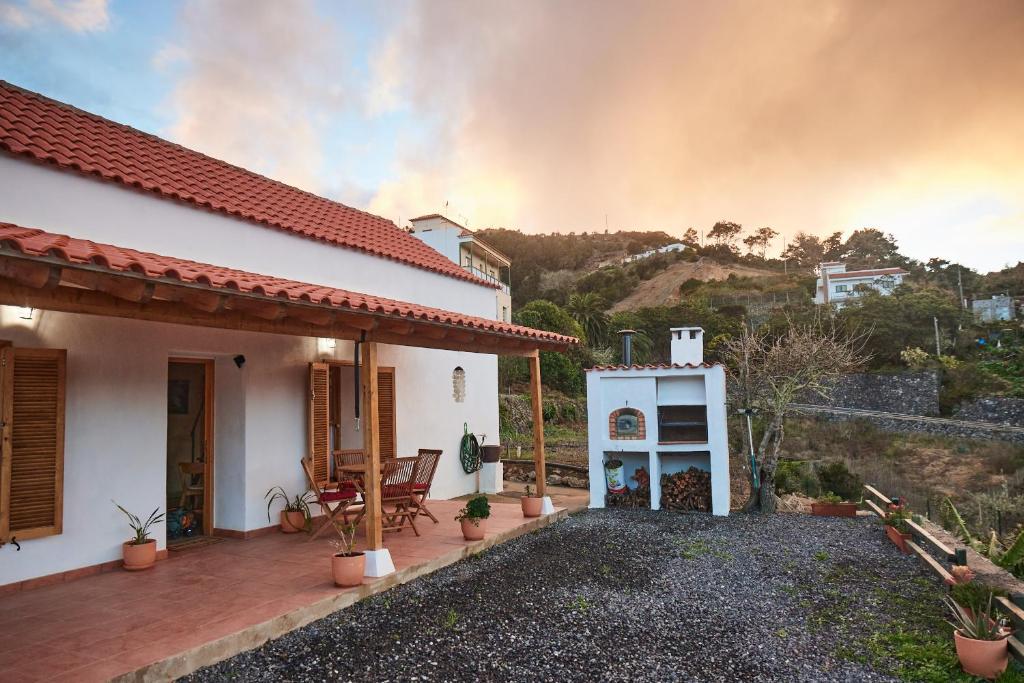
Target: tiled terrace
x=202, y=605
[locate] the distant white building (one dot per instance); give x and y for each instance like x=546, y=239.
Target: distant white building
x=460, y=245
x=999, y=307
x=837, y=286
x=677, y=246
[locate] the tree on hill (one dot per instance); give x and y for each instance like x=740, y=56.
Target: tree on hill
x=871, y=248
x=759, y=240
x=807, y=251
x=561, y=371
x=725, y=233
x=589, y=311
x=691, y=238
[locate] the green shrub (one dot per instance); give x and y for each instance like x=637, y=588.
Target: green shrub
x=796, y=476
x=838, y=479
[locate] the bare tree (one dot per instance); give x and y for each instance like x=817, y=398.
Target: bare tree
x=771, y=372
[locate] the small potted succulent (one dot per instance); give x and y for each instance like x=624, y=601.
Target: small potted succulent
x=980, y=639
x=531, y=504
x=347, y=565
x=140, y=552
x=295, y=516
x=831, y=505
x=897, y=528
x=473, y=518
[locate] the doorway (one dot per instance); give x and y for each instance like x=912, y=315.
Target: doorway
x=189, y=449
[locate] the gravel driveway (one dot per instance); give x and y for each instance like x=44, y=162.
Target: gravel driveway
x=623, y=595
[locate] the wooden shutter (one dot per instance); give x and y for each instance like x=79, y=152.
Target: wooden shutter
x=320, y=419
x=32, y=471
x=386, y=412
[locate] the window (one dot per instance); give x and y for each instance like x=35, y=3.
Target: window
x=459, y=385
x=32, y=471
x=840, y=289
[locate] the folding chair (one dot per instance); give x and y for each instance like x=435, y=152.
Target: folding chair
x=343, y=495
x=351, y=456
x=396, y=482
x=428, y=459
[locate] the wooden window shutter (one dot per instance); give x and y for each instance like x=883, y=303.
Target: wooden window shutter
x=386, y=412
x=32, y=471
x=320, y=419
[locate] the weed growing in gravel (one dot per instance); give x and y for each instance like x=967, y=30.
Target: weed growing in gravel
x=605, y=570
x=451, y=619
x=821, y=556
x=580, y=604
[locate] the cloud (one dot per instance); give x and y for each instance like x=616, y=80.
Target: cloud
x=75, y=15
x=671, y=114
x=258, y=81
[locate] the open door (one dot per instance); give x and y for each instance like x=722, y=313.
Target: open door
x=189, y=449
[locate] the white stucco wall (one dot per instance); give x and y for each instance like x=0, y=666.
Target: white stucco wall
x=116, y=423
x=36, y=196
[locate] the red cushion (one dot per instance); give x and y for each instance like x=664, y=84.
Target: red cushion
x=419, y=488
x=344, y=493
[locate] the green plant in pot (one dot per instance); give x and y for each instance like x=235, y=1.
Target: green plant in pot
x=831, y=505
x=980, y=639
x=532, y=505
x=140, y=552
x=897, y=527
x=473, y=518
x=295, y=515
x=347, y=564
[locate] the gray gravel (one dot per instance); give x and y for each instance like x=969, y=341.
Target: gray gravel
x=622, y=595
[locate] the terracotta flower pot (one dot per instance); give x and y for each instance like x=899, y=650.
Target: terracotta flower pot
x=982, y=658
x=293, y=522
x=474, y=532
x=138, y=557
x=490, y=454
x=531, y=505
x=898, y=539
x=348, y=570
x=834, y=509
x=961, y=574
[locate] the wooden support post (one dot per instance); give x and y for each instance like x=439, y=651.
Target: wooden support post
x=371, y=444
x=536, y=401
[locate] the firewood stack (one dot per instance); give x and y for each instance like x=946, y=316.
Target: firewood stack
x=689, y=490
x=638, y=498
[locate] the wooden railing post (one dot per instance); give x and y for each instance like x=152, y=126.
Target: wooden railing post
x=536, y=401
x=371, y=444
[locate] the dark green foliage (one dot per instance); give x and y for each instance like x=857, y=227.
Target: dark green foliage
x=477, y=508
x=796, y=476
x=838, y=479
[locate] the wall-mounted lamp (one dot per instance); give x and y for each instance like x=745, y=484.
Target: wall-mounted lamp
x=26, y=313
x=239, y=361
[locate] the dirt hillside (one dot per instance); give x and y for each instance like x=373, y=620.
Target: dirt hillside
x=663, y=288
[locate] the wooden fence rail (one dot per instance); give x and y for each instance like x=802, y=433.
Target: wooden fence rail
x=953, y=556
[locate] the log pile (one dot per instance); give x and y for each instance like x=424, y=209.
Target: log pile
x=689, y=490
x=638, y=498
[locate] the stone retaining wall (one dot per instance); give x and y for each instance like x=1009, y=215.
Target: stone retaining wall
x=908, y=393
x=950, y=428
x=999, y=410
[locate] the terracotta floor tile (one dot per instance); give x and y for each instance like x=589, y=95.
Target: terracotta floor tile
x=97, y=672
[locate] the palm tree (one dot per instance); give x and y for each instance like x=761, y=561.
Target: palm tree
x=588, y=310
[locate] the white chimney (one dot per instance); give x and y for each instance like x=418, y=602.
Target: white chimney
x=687, y=345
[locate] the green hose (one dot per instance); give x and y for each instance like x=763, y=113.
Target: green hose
x=469, y=451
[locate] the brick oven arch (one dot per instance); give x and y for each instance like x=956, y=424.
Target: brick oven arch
x=613, y=425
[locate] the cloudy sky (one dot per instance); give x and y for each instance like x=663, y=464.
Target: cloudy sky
x=816, y=115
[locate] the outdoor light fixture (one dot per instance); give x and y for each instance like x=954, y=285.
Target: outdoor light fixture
x=239, y=361
x=325, y=345
x=26, y=312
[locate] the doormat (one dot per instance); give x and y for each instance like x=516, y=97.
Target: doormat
x=180, y=544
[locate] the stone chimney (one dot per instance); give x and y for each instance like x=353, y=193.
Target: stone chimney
x=687, y=345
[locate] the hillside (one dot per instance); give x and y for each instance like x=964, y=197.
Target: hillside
x=663, y=288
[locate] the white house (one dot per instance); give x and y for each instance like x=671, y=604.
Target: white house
x=664, y=418
x=159, y=307
x=668, y=248
x=463, y=247
x=836, y=285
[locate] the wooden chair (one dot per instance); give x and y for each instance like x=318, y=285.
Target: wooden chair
x=428, y=459
x=350, y=456
x=397, y=478
x=343, y=495
x=192, y=485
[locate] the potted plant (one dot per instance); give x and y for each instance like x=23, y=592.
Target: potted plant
x=473, y=518
x=140, y=552
x=897, y=529
x=961, y=574
x=980, y=640
x=831, y=505
x=531, y=504
x=295, y=516
x=347, y=565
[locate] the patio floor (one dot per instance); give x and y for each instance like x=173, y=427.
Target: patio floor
x=203, y=605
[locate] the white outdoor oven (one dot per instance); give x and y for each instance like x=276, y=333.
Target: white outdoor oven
x=665, y=424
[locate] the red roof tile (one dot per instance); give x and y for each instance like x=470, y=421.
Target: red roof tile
x=34, y=242
x=867, y=273
x=659, y=366
x=56, y=133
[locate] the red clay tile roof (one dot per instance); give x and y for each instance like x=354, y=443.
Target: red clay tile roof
x=867, y=273
x=659, y=366
x=56, y=133
x=34, y=242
